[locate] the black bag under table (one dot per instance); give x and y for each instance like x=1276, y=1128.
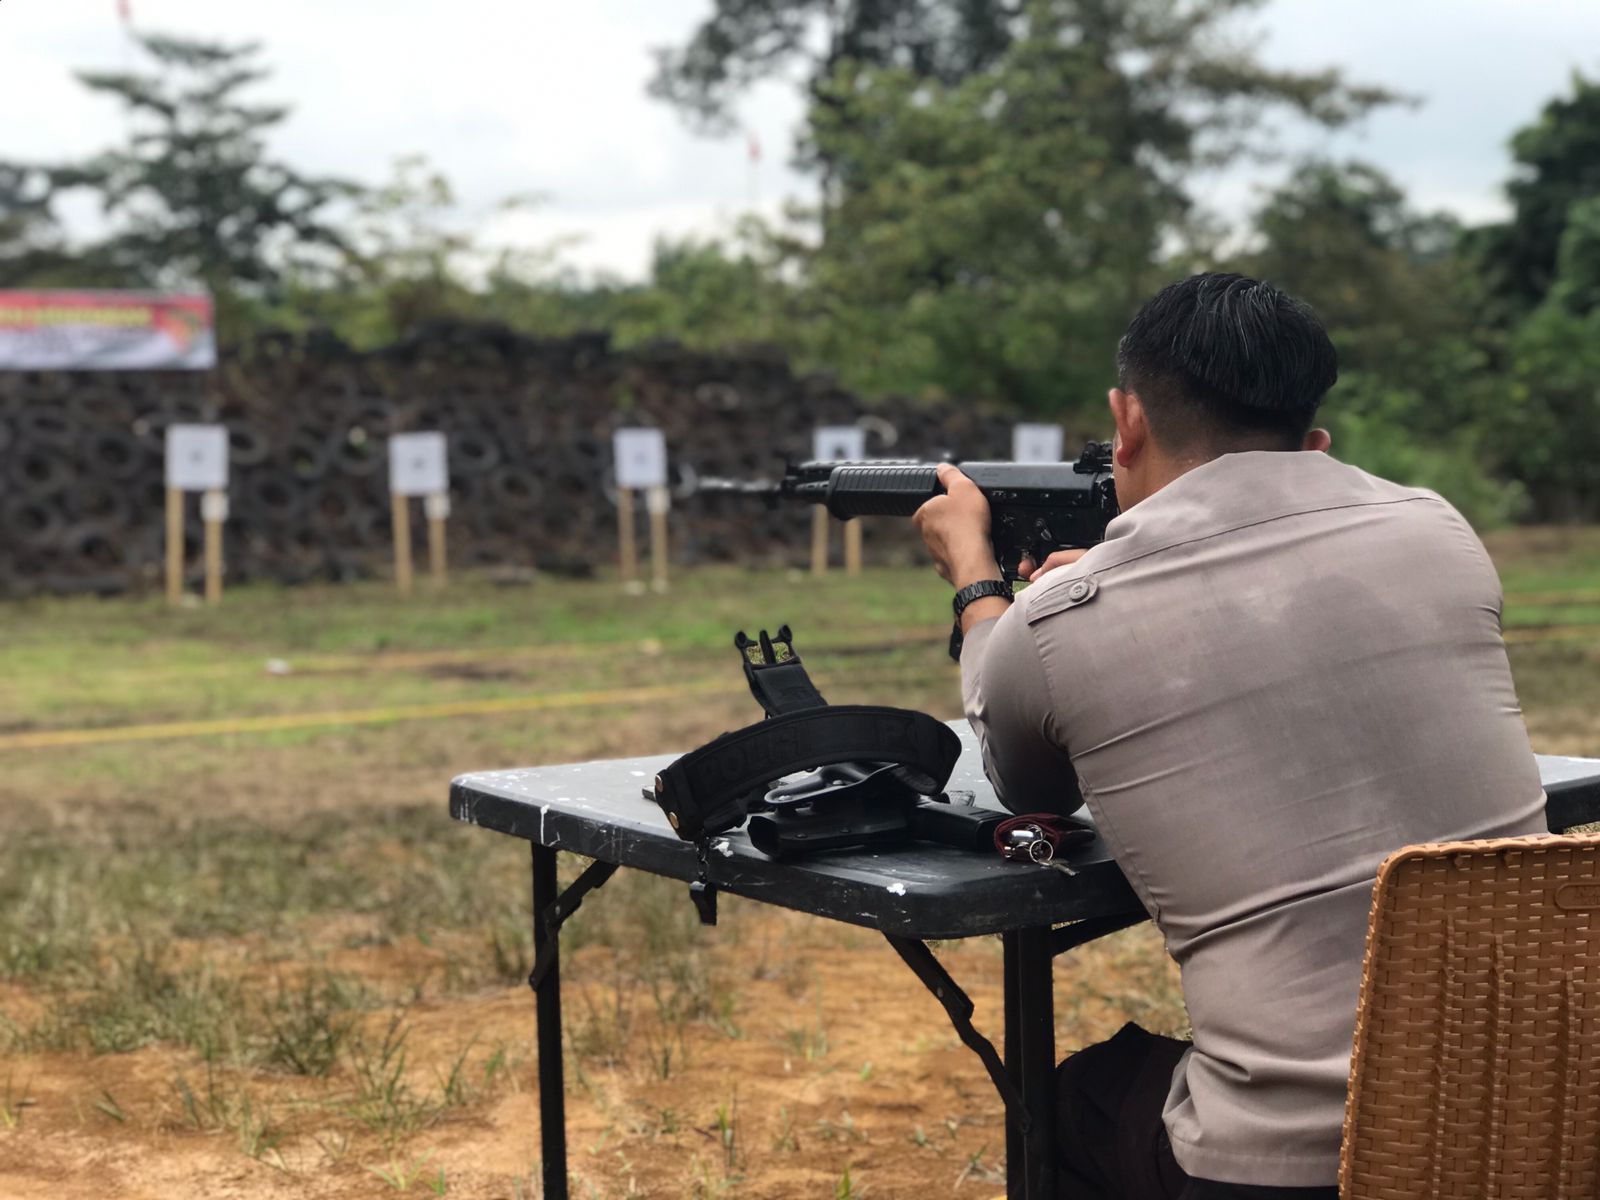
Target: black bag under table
x=911, y=895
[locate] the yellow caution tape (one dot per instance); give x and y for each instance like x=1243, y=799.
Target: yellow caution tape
x=52, y=738
x=43, y=739
x=410, y=660
x=1550, y=599
x=1553, y=633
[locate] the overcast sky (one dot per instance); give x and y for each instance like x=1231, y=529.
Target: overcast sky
x=517, y=96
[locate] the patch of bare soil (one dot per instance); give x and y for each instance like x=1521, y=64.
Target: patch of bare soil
x=805, y=1062
x=824, y=1070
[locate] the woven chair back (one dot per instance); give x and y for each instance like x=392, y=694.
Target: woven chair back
x=1476, y=1070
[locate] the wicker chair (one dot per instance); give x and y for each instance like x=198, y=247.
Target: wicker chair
x=1476, y=1070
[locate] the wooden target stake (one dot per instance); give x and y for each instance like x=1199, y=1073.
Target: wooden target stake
x=659, y=501
x=437, y=507
x=174, y=546
x=402, y=544
x=197, y=461
x=852, y=547
x=627, y=546
x=819, y=540
x=418, y=466
x=213, y=511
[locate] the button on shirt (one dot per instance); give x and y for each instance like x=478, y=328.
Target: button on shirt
x=1272, y=673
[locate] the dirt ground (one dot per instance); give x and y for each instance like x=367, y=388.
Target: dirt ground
x=268, y=966
x=835, y=1075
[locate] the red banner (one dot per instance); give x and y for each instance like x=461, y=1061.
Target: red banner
x=105, y=331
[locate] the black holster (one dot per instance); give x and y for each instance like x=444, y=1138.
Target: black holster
x=876, y=774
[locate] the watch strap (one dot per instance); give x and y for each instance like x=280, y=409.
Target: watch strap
x=968, y=595
x=978, y=591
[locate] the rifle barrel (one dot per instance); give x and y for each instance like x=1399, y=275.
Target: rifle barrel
x=739, y=487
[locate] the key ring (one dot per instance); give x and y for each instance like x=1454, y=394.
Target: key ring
x=1040, y=838
x=1025, y=841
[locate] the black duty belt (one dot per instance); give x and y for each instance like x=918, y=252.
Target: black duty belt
x=708, y=790
x=897, y=754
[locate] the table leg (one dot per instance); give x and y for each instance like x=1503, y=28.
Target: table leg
x=1016, y=1151
x=552, y=1099
x=1031, y=1061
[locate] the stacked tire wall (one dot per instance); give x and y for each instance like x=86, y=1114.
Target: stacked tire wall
x=529, y=423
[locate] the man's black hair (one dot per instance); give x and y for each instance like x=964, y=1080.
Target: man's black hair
x=1222, y=360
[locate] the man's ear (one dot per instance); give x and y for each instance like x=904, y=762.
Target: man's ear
x=1318, y=440
x=1133, y=428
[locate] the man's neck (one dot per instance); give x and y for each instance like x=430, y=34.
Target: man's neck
x=1164, y=468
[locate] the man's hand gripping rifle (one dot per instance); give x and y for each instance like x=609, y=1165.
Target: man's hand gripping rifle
x=1036, y=508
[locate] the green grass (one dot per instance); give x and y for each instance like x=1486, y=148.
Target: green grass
x=83, y=662
x=220, y=893
x=156, y=947
x=216, y=939
x=280, y=911
x=88, y=662
x=409, y=869
x=1554, y=559
x=1534, y=616
x=370, y=619
x=1551, y=577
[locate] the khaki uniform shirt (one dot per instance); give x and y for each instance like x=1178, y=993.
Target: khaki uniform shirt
x=1271, y=674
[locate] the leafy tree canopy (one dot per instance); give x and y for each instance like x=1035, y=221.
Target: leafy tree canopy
x=1175, y=46
x=1384, y=277
x=744, y=41
x=1416, y=400
x=1558, y=167
x=193, y=198
x=992, y=236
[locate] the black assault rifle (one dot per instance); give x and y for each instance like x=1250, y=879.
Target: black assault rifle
x=1035, y=508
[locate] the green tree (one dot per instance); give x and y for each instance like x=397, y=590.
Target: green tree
x=405, y=258
x=1541, y=271
x=711, y=294
x=1416, y=400
x=1344, y=236
x=744, y=41
x=991, y=237
x=1576, y=287
x=1558, y=167
x=1396, y=296
x=718, y=293
x=34, y=250
x=193, y=199
x=1551, y=425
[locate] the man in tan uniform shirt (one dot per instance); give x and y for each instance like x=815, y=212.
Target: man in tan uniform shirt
x=1274, y=671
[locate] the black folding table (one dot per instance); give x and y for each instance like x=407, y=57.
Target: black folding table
x=912, y=895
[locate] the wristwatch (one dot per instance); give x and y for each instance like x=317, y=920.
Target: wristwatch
x=968, y=594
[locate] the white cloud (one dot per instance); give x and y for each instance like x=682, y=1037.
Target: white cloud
x=538, y=96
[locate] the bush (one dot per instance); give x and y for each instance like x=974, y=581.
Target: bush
x=1374, y=427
